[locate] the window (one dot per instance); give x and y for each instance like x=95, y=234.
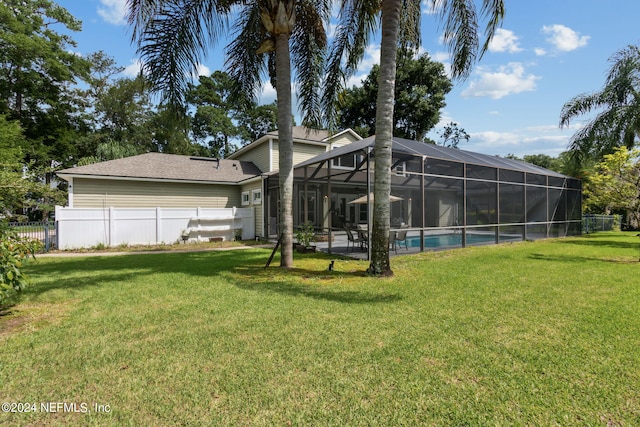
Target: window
x=245, y=198
x=257, y=197
x=400, y=169
x=348, y=161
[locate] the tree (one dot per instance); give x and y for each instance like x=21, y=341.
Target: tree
x=212, y=121
x=544, y=161
x=400, y=25
x=564, y=163
x=257, y=121
x=13, y=189
x=451, y=135
x=37, y=70
x=223, y=118
x=21, y=190
x=269, y=35
x=421, y=86
x=615, y=186
x=617, y=107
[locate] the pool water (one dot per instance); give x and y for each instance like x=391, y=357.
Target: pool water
x=452, y=240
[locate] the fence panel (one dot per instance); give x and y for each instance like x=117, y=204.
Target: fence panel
x=592, y=223
x=88, y=227
x=45, y=232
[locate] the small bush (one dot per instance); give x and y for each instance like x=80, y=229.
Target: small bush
x=15, y=250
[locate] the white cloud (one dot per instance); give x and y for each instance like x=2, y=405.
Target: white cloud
x=520, y=142
x=504, y=41
x=371, y=58
x=441, y=56
x=133, y=69
x=268, y=93
x=203, y=70
x=495, y=139
x=540, y=51
x=113, y=11
x=507, y=80
x=564, y=38
x=430, y=7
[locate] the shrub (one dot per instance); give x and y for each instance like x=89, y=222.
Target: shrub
x=14, y=252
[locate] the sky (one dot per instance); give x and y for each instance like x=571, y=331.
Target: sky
x=545, y=53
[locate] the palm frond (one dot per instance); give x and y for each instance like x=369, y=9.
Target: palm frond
x=493, y=11
x=601, y=135
x=410, y=34
x=308, y=44
x=358, y=20
x=460, y=26
x=173, y=37
x=460, y=22
x=617, y=123
x=244, y=64
x=579, y=105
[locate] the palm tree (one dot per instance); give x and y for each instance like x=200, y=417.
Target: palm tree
x=400, y=25
x=173, y=35
x=617, y=123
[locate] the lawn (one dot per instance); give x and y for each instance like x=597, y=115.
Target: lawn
x=533, y=333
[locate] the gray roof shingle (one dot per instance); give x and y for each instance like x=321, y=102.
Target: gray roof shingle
x=169, y=167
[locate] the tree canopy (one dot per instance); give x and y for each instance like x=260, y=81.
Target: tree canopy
x=615, y=185
x=421, y=86
x=222, y=119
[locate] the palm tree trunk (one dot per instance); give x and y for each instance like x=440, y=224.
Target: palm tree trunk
x=285, y=147
x=380, y=265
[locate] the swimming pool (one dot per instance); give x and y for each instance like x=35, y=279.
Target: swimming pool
x=455, y=240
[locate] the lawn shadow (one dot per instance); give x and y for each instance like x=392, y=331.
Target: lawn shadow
x=604, y=240
x=81, y=272
x=581, y=259
x=299, y=282
x=243, y=268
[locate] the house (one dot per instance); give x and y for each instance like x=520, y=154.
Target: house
x=174, y=181
x=445, y=197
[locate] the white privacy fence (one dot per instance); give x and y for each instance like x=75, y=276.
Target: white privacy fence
x=87, y=227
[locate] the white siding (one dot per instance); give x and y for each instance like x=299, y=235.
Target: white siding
x=259, y=156
x=343, y=139
x=259, y=218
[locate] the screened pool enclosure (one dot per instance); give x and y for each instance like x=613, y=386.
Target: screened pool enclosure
x=442, y=197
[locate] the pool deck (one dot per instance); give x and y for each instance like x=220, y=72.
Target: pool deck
x=443, y=240
x=341, y=246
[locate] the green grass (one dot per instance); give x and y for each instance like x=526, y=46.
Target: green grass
x=535, y=333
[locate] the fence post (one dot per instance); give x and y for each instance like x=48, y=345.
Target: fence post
x=158, y=226
x=46, y=236
x=112, y=226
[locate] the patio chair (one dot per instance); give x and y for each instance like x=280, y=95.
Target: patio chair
x=401, y=237
x=363, y=236
x=351, y=240
x=392, y=240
